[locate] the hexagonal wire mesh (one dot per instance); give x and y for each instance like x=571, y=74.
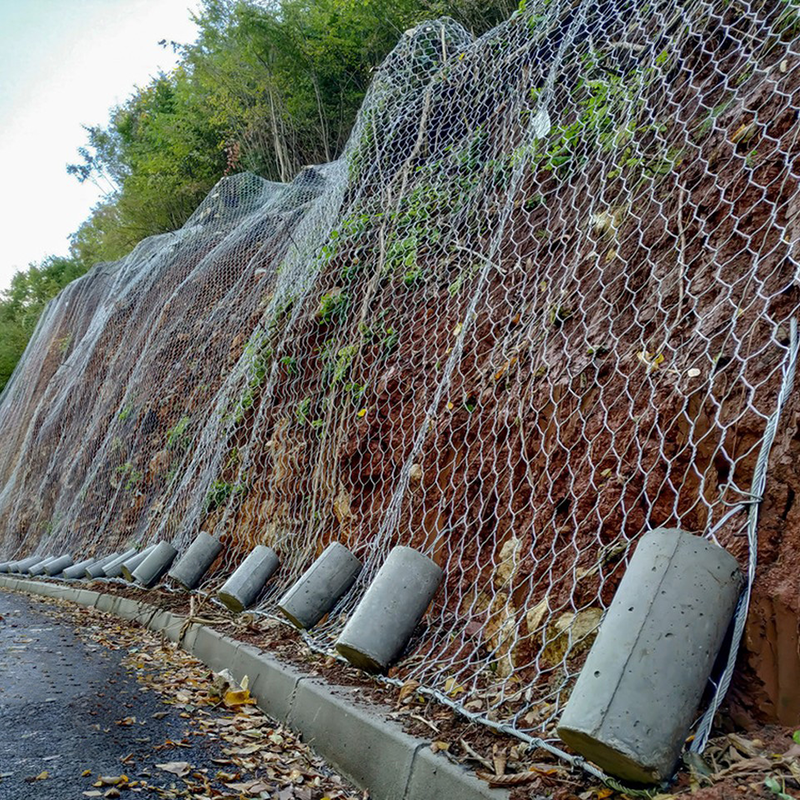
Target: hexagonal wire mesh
x=542, y=304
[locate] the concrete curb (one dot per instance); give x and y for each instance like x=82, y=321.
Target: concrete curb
x=373, y=752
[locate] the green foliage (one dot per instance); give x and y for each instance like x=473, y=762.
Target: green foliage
x=302, y=410
x=220, y=492
x=176, y=436
x=778, y=788
x=133, y=476
x=401, y=254
x=64, y=342
x=463, y=278
x=344, y=358
x=332, y=307
x=356, y=391
x=607, y=120
x=390, y=338
x=289, y=363
x=336, y=362
x=23, y=302
x=266, y=87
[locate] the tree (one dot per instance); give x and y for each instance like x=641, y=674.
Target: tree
x=267, y=88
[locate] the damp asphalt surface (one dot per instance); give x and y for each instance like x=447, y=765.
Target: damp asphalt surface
x=60, y=700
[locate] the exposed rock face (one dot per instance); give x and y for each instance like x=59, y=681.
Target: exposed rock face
x=540, y=306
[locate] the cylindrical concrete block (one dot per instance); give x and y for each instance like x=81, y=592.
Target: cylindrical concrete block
x=194, y=563
x=114, y=568
x=14, y=567
x=246, y=583
x=77, y=570
x=155, y=566
x=29, y=567
x=58, y=565
x=97, y=570
x=128, y=567
x=636, y=696
x=390, y=610
x=38, y=569
x=320, y=586
x=27, y=563
x=4, y=566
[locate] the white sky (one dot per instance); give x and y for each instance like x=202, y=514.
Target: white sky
x=64, y=63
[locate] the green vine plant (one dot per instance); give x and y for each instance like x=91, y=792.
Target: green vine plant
x=220, y=492
x=176, y=436
x=609, y=110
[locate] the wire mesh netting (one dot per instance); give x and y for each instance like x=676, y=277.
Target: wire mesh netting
x=541, y=305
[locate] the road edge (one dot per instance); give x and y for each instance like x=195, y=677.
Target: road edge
x=370, y=750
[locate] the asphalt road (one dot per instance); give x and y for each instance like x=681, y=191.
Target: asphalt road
x=60, y=700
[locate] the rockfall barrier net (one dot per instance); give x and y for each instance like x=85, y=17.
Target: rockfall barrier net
x=542, y=304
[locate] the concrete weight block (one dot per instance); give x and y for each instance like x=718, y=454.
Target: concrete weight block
x=249, y=579
x=390, y=610
x=114, y=568
x=38, y=569
x=58, y=565
x=641, y=684
x=78, y=570
x=320, y=586
x=194, y=563
x=97, y=570
x=26, y=563
x=130, y=565
x=155, y=566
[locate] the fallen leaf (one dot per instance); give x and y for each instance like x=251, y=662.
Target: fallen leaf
x=499, y=760
x=453, y=688
x=179, y=768
x=251, y=787
x=42, y=776
x=651, y=360
x=86, y=773
x=520, y=778
x=407, y=690
x=238, y=698
x=111, y=780
x=437, y=746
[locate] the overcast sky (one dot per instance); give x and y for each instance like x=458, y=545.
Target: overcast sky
x=64, y=63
